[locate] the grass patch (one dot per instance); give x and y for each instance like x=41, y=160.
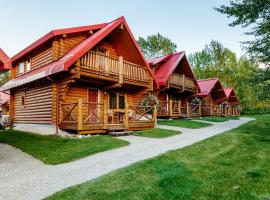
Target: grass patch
x=234, y=165
x=55, y=150
x=184, y=123
x=156, y=133
x=218, y=119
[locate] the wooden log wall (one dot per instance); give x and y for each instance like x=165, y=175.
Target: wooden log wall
x=37, y=106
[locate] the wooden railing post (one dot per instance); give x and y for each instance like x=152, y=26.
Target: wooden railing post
x=80, y=114
x=126, y=112
x=211, y=108
x=155, y=116
x=188, y=110
x=179, y=107
x=105, y=112
x=200, y=109
x=170, y=106
x=121, y=66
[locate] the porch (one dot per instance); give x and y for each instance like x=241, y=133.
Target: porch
x=174, y=109
x=92, y=117
x=117, y=70
x=217, y=110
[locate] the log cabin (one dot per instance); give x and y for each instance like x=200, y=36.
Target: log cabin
x=177, y=86
x=212, y=97
x=85, y=80
x=233, y=108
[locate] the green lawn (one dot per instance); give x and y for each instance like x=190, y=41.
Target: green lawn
x=184, y=123
x=55, y=150
x=156, y=133
x=218, y=119
x=234, y=165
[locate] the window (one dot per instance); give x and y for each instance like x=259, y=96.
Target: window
x=113, y=101
x=117, y=101
x=23, y=98
x=21, y=68
x=28, y=66
x=121, y=102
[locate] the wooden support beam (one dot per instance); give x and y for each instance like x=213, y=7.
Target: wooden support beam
x=105, y=113
x=80, y=114
x=188, y=110
x=155, y=116
x=117, y=85
x=126, y=112
x=179, y=107
x=200, y=109
x=170, y=106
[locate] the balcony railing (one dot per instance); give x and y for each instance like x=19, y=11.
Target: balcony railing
x=118, y=68
x=183, y=82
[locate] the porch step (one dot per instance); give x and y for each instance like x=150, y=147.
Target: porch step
x=120, y=133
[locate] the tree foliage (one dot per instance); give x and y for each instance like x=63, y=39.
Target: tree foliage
x=255, y=15
x=156, y=46
x=249, y=80
x=4, y=77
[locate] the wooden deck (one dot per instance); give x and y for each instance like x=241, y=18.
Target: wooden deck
x=85, y=119
x=102, y=67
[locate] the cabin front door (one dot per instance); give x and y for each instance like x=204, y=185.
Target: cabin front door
x=92, y=101
x=117, y=105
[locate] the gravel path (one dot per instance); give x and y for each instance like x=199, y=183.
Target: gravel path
x=23, y=177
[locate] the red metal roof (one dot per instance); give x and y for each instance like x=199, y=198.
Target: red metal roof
x=230, y=94
x=73, y=55
x=53, y=34
x=206, y=86
x=5, y=62
x=228, y=91
x=168, y=64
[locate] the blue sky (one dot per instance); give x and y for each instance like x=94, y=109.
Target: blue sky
x=190, y=24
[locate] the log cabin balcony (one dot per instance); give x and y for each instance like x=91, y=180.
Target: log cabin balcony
x=92, y=117
x=182, y=82
x=100, y=66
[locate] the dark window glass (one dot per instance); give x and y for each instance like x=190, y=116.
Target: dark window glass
x=121, y=102
x=113, y=101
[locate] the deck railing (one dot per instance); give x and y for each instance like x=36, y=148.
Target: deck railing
x=124, y=70
x=182, y=81
x=79, y=115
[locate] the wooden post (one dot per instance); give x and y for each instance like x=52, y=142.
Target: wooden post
x=11, y=107
x=105, y=112
x=211, y=108
x=80, y=114
x=170, y=106
x=188, y=110
x=200, y=109
x=155, y=116
x=179, y=107
x=126, y=112
x=121, y=66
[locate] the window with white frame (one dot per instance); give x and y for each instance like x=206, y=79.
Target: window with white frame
x=21, y=68
x=28, y=66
